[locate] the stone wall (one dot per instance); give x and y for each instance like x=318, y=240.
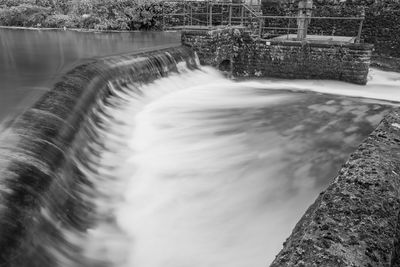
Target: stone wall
x=282, y=59
x=302, y=60
x=212, y=46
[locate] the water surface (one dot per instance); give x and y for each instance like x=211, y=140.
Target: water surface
x=32, y=60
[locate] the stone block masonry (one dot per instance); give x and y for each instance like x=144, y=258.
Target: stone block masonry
x=212, y=46
x=303, y=60
x=257, y=58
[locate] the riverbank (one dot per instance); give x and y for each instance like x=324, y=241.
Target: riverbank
x=65, y=29
x=385, y=63
x=85, y=30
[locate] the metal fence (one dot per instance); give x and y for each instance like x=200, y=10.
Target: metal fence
x=179, y=14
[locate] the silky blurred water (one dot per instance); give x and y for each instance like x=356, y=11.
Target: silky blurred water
x=211, y=172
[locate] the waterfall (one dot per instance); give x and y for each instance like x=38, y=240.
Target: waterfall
x=47, y=190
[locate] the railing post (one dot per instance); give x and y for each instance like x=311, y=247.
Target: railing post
x=207, y=10
x=210, y=22
x=184, y=13
x=191, y=14
x=163, y=15
x=260, y=26
x=242, y=14
x=230, y=14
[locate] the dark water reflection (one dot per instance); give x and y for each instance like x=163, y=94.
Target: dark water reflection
x=31, y=60
x=319, y=132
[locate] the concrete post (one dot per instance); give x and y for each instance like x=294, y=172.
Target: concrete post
x=305, y=8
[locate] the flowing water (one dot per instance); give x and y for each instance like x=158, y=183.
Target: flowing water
x=193, y=169
x=204, y=171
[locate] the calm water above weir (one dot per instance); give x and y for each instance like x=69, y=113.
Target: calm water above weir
x=31, y=60
x=197, y=170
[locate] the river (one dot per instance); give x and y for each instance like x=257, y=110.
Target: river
x=197, y=170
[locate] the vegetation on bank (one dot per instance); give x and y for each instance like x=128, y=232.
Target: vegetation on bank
x=88, y=14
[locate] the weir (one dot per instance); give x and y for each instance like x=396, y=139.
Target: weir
x=47, y=198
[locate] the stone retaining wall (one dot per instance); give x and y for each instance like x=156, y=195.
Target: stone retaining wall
x=211, y=46
x=251, y=58
x=302, y=60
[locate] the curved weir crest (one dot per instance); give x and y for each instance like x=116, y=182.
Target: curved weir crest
x=151, y=160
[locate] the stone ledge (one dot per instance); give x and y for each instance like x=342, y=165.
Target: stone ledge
x=207, y=31
x=360, y=46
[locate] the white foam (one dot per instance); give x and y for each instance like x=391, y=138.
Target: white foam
x=381, y=85
x=188, y=195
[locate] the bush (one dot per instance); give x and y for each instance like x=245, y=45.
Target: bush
x=150, y=16
x=88, y=22
x=90, y=14
x=10, y=3
x=60, y=21
x=24, y=15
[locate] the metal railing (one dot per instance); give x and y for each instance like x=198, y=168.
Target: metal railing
x=178, y=13
x=211, y=13
x=272, y=26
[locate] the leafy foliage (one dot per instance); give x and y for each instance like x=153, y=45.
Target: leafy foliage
x=23, y=15
x=90, y=14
